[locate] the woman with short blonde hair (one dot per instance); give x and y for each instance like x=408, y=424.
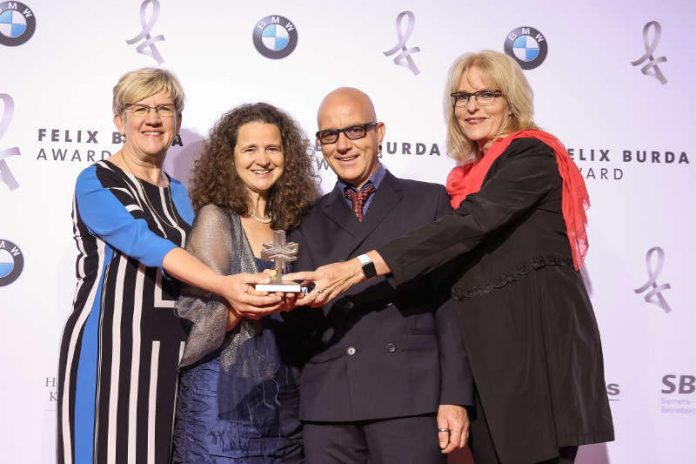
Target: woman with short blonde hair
x=122, y=342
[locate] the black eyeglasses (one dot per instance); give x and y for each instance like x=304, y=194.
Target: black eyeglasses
x=358, y=131
x=482, y=97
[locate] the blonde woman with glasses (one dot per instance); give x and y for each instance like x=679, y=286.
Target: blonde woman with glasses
x=122, y=342
x=517, y=237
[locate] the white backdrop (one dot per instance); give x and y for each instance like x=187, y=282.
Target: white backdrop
x=55, y=111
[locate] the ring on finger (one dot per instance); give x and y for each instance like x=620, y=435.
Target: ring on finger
x=443, y=429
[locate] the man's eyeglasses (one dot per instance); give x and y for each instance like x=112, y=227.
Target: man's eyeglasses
x=140, y=111
x=358, y=131
x=482, y=97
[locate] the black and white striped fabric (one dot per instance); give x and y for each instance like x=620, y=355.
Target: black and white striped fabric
x=122, y=343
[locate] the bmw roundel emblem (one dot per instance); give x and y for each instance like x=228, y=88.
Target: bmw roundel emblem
x=11, y=262
x=275, y=37
x=17, y=23
x=527, y=46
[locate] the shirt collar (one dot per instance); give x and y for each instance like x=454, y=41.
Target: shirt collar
x=376, y=179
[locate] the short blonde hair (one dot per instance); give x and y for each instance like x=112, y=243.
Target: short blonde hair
x=503, y=73
x=145, y=82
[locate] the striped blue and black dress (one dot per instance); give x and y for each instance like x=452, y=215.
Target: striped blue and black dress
x=122, y=343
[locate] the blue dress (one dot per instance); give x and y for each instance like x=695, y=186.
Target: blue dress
x=224, y=416
x=122, y=342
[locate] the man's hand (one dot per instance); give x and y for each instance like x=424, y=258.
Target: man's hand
x=452, y=427
x=330, y=281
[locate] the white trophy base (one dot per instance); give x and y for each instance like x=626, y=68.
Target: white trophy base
x=289, y=287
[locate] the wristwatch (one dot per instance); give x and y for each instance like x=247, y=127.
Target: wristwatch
x=368, y=267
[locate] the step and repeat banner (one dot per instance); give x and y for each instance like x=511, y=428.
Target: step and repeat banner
x=613, y=80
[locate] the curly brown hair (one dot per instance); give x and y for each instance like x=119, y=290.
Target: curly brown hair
x=215, y=179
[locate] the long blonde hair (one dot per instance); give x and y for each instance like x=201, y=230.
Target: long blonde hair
x=505, y=75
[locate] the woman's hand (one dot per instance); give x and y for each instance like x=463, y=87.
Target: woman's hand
x=238, y=290
x=289, y=298
x=330, y=281
x=233, y=318
x=288, y=302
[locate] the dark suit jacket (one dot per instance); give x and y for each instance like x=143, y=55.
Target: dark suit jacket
x=376, y=352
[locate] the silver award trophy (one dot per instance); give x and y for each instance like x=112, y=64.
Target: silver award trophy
x=281, y=253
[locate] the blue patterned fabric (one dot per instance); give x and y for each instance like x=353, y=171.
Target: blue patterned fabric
x=224, y=416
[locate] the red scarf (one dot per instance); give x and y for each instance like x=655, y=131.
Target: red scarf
x=467, y=179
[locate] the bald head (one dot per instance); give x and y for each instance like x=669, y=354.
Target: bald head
x=353, y=155
x=344, y=100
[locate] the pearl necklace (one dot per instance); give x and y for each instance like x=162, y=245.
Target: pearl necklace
x=266, y=220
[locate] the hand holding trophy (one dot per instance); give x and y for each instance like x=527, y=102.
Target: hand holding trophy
x=280, y=252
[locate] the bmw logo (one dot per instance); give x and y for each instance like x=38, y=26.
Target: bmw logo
x=11, y=262
x=17, y=23
x=527, y=46
x=275, y=37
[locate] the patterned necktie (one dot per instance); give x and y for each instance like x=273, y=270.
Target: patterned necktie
x=359, y=197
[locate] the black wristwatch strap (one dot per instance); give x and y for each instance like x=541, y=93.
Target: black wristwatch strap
x=368, y=267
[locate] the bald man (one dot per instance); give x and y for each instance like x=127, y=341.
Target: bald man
x=387, y=377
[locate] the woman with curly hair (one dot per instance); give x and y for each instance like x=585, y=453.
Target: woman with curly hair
x=117, y=373
x=238, y=396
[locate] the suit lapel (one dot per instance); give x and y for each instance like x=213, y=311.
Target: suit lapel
x=385, y=200
x=337, y=210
